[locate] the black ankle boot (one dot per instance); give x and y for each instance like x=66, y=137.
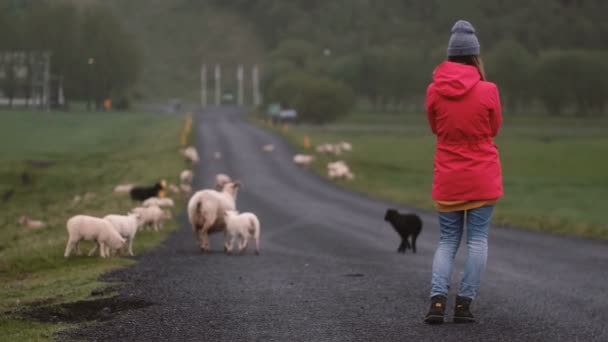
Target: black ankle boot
x=462, y=312
x=437, y=310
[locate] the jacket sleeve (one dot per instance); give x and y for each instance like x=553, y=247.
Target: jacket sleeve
x=430, y=113
x=495, y=112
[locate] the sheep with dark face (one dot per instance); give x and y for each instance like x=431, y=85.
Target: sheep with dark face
x=405, y=225
x=141, y=193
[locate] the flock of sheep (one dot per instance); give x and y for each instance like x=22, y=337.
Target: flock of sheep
x=335, y=170
x=115, y=233
x=209, y=210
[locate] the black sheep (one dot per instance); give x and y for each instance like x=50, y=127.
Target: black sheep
x=142, y=193
x=405, y=225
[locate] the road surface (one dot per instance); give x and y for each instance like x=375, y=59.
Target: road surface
x=329, y=271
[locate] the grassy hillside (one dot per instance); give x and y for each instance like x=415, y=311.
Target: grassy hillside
x=46, y=159
x=554, y=169
x=176, y=36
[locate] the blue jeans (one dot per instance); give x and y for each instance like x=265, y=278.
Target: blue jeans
x=452, y=227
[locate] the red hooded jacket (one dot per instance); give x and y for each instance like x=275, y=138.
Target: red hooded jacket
x=465, y=114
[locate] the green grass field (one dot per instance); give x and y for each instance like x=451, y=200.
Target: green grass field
x=555, y=170
x=85, y=153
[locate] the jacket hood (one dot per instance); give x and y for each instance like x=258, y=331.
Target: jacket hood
x=454, y=80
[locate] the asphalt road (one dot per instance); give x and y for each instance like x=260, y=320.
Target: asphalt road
x=329, y=271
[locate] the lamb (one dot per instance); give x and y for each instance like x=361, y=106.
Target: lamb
x=405, y=225
x=191, y=154
x=221, y=180
x=123, y=188
x=244, y=227
x=143, y=193
x=161, y=202
x=303, y=159
x=31, y=224
x=206, y=211
x=186, y=177
x=126, y=226
x=153, y=216
x=82, y=227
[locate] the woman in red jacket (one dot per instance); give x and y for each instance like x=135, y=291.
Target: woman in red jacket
x=464, y=113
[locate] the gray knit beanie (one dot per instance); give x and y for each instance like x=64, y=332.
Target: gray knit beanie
x=463, y=41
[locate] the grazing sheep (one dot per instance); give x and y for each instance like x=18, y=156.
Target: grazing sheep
x=406, y=225
x=221, y=180
x=160, y=202
x=206, y=211
x=82, y=227
x=173, y=188
x=152, y=216
x=268, y=148
x=31, y=224
x=243, y=227
x=185, y=188
x=143, y=193
x=126, y=226
x=346, y=146
x=191, y=154
x=186, y=177
x=303, y=159
x=217, y=155
x=339, y=170
x=123, y=188
x=335, y=149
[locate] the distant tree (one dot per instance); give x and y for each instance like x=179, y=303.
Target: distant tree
x=578, y=77
x=509, y=65
x=317, y=99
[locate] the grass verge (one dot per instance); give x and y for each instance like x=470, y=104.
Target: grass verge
x=554, y=169
x=46, y=160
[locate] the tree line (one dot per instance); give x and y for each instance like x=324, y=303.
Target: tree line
x=545, y=55
x=91, y=53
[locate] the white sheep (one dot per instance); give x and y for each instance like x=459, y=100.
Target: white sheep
x=346, y=146
x=173, y=188
x=217, y=155
x=160, y=202
x=191, y=154
x=303, y=159
x=242, y=226
x=82, y=227
x=206, y=211
x=126, y=226
x=221, y=180
x=152, y=216
x=339, y=170
x=123, y=188
x=31, y=224
x=185, y=188
x=186, y=176
x=268, y=148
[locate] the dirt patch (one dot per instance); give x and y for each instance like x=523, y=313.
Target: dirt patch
x=83, y=311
